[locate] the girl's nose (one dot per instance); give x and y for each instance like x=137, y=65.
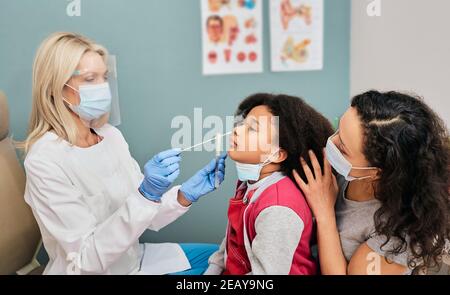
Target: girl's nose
x=238, y=130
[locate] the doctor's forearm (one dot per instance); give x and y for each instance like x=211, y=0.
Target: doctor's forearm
x=182, y=200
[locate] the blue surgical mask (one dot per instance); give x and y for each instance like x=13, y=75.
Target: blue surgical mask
x=340, y=163
x=252, y=172
x=95, y=101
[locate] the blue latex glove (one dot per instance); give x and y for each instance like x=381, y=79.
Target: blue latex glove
x=160, y=172
x=203, y=181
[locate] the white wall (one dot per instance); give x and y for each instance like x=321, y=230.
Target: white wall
x=407, y=48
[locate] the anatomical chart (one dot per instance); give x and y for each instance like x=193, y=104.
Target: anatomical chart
x=296, y=29
x=232, y=36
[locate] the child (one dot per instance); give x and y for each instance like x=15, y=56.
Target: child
x=270, y=225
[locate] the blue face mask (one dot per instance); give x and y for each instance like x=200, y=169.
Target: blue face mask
x=252, y=172
x=340, y=163
x=95, y=101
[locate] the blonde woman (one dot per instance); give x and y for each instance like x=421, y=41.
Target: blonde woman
x=87, y=193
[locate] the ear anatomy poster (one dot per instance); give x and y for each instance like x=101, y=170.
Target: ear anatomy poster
x=296, y=33
x=232, y=36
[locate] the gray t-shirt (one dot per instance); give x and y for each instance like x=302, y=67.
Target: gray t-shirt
x=355, y=222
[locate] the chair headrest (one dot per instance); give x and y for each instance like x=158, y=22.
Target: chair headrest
x=4, y=116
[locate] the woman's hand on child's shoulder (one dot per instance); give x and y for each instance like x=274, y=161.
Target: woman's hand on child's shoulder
x=321, y=189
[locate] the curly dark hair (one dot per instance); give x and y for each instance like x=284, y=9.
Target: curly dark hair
x=301, y=128
x=410, y=144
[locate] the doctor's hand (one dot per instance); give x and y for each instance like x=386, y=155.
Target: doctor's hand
x=160, y=172
x=203, y=182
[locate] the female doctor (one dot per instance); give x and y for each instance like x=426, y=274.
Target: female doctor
x=86, y=191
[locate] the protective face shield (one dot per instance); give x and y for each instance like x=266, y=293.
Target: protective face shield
x=98, y=103
x=340, y=163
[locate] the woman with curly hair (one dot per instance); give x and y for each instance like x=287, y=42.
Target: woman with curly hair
x=388, y=210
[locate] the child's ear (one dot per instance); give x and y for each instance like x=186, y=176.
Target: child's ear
x=282, y=155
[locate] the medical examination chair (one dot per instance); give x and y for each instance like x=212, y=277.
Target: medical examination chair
x=19, y=233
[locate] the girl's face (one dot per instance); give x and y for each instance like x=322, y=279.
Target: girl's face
x=92, y=70
x=255, y=138
x=350, y=141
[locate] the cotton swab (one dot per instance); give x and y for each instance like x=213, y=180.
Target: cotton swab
x=209, y=140
x=218, y=150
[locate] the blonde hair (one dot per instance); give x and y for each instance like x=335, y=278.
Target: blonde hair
x=56, y=60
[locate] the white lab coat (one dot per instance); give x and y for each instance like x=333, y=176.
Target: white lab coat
x=90, y=212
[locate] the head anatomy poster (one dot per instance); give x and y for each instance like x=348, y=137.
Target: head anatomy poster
x=296, y=32
x=232, y=36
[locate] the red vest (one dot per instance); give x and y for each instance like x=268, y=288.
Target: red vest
x=281, y=193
